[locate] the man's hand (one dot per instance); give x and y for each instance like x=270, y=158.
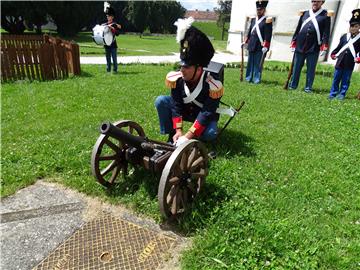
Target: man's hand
x=323, y=49
x=181, y=140
x=357, y=60
x=293, y=46
x=177, y=135
x=244, y=45
x=333, y=56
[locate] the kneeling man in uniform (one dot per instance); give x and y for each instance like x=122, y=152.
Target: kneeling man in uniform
x=195, y=93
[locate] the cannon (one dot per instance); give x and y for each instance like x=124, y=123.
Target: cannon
x=183, y=169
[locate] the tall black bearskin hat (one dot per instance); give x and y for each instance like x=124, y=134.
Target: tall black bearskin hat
x=108, y=9
x=261, y=4
x=355, y=18
x=195, y=47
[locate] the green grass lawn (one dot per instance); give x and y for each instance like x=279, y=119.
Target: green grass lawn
x=130, y=45
x=134, y=44
x=283, y=193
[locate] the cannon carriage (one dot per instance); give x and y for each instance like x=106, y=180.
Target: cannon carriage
x=183, y=169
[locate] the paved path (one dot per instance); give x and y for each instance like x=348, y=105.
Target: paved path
x=38, y=218
x=218, y=57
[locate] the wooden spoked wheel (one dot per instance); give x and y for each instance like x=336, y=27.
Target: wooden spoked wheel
x=182, y=178
x=108, y=155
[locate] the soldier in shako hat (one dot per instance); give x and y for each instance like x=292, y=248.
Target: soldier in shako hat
x=195, y=93
x=347, y=54
x=111, y=50
x=310, y=39
x=258, y=41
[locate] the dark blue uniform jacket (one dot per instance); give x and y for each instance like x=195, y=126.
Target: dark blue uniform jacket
x=346, y=59
x=191, y=112
x=306, y=39
x=254, y=44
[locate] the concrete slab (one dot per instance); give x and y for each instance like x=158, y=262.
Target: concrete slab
x=34, y=222
x=37, y=220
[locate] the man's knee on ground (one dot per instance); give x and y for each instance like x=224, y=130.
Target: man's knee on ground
x=160, y=101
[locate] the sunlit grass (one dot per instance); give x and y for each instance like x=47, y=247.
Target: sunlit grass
x=283, y=193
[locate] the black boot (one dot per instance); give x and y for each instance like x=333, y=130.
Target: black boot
x=170, y=138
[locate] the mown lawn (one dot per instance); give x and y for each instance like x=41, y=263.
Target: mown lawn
x=131, y=44
x=283, y=193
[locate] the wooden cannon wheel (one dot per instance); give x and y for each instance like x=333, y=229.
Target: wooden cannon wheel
x=182, y=178
x=108, y=155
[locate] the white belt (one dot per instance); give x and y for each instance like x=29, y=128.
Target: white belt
x=191, y=97
x=312, y=18
x=256, y=26
x=229, y=111
x=349, y=45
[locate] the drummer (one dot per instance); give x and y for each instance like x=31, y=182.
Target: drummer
x=111, y=51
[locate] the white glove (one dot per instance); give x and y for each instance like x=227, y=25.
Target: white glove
x=293, y=49
x=264, y=50
x=322, y=53
x=181, y=140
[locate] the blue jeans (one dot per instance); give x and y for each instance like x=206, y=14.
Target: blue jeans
x=111, y=53
x=164, y=104
x=311, y=61
x=343, y=76
x=253, y=73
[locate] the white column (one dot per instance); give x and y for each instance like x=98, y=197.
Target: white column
x=240, y=10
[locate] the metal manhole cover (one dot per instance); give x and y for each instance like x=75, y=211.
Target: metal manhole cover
x=109, y=243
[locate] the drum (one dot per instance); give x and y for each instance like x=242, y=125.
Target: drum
x=102, y=35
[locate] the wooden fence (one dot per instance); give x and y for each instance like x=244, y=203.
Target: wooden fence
x=37, y=57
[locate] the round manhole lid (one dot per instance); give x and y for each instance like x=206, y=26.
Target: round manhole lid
x=106, y=257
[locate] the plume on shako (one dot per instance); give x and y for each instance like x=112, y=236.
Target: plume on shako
x=108, y=9
x=195, y=47
x=106, y=6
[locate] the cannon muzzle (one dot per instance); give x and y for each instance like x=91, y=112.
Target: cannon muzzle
x=109, y=129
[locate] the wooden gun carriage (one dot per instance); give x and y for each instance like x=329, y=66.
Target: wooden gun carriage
x=183, y=169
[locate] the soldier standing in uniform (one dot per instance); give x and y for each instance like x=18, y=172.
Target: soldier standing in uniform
x=347, y=54
x=258, y=42
x=111, y=51
x=195, y=93
x=311, y=37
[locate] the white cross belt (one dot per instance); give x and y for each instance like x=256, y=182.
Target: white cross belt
x=256, y=26
x=349, y=45
x=312, y=18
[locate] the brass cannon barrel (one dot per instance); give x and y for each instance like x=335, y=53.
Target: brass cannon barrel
x=138, y=142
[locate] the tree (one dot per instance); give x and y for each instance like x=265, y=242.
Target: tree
x=12, y=19
x=72, y=16
x=36, y=15
x=158, y=16
x=163, y=14
x=137, y=14
x=224, y=13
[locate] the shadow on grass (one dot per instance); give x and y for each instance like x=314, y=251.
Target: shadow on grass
x=123, y=71
x=211, y=197
x=85, y=74
x=321, y=91
x=274, y=82
x=130, y=184
x=233, y=143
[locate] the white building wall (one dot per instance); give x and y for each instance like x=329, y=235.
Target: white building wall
x=286, y=14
